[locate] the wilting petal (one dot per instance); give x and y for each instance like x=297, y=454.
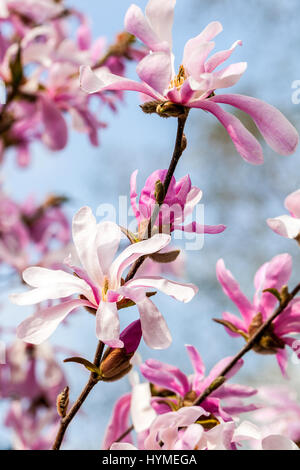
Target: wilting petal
x=85, y=230
x=119, y=422
x=108, y=325
x=92, y=82
x=232, y=290
x=156, y=70
x=38, y=327
x=133, y=252
x=285, y=225
x=177, y=290
x=55, y=135
x=292, y=203
x=245, y=143
x=278, y=132
x=215, y=60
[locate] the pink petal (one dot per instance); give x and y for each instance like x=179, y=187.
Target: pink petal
x=232, y=290
x=282, y=359
x=156, y=70
x=38, y=327
x=245, y=143
x=108, y=325
x=292, y=203
x=193, y=45
x=278, y=442
x=92, y=82
x=133, y=194
x=285, y=225
x=119, y=422
x=161, y=16
x=136, y=24
x=218, y=368
x=229, y=76
x=278, y=132
x=55, y=135
x=194, y=60
x=237, y=322
x=165, y=375
x=214, y=61
x=196, y=360
x=194, y=227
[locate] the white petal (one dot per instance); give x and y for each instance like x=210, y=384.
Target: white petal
x=38, y=327
x=142, y=413
x=285, y=225
x=161, y=16
x=156, y=333
x=85, y=229
x=134, y=251
x=177, y=290
x=108, y=324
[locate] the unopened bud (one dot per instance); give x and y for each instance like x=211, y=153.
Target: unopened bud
x=62, y=402
x=183, y=143
x=115, y=364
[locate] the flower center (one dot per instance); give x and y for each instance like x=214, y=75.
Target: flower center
x=105, y=288
x=179, y=80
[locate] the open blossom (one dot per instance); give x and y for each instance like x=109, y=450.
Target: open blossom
x=271, y=275
x=100, y=285
x=196, y=82
x=23, y=225
x=280, y=412
x=288, y=225
x=179, y=203
x=180, y=430
x=169, y=389
x=31, y=378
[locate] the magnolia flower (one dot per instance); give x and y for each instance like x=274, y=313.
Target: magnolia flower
x=180, y=202
x=280, y=412
x=288, y=225
x=195, y=84
x=172, y=388
x=100, y=286
x=271, y=275
x=180, y=430
x=169, y=389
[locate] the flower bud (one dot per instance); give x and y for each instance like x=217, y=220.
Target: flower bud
x=116, y=361
x=62, y=402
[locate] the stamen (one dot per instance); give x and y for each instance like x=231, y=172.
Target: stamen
x=179, y=80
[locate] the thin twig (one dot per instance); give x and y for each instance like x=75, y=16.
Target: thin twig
x=252, y=341
x=178, y=151
x=64, y=423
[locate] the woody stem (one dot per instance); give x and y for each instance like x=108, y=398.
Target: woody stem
x=178, y=151
x=65, y=421
x=252, y=341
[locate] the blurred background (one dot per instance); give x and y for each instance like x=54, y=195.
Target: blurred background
x=236, y=194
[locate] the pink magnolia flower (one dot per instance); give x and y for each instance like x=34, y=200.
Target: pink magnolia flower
x=100, y=286
x=280, y=413
x=185, y=389
x=271, y=275
x=179, y=203
x=288, y=225
x=179, y=431
x=169, y=389
x=195, y=84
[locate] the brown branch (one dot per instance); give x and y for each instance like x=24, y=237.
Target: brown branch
x=178, y=151
x=252, y=341
x=93, y=380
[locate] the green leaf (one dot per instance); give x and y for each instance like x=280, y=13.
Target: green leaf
x=87, y=364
